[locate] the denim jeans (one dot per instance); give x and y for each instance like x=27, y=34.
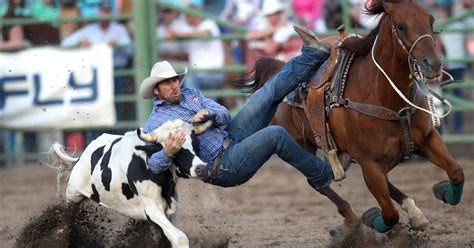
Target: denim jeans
x=254, y=141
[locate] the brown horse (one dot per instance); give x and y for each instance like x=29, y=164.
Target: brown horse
x=401, y=47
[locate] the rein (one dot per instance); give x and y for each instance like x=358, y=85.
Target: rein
x=416, y=95
x=415, y=73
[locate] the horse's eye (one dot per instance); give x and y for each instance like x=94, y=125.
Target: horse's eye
x=401, y=27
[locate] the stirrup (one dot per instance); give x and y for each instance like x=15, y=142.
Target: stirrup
x=337, y=169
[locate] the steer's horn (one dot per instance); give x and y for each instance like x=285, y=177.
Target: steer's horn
x=201, y=128
x=148, y=137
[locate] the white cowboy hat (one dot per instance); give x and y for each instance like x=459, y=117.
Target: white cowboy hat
x=272, y=6
x=160, y=72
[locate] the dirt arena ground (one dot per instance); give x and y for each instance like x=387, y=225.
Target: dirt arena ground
x=277, y=208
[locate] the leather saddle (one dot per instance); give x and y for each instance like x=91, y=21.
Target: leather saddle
x=327, y=81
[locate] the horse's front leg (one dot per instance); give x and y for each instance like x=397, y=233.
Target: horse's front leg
x=436, y=151
x=416, y=218
x=377, y=183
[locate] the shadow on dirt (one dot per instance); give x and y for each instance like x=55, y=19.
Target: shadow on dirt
x=362, y=236
x=89, y=225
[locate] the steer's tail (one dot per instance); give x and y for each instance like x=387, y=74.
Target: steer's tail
x=61, y=162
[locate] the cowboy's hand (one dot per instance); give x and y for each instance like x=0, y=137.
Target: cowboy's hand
x=201, y=115
x=174, y=142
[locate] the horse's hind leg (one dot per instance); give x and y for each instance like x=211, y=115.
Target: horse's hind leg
x=416, y=218
x=343, y=207
x=436, y=151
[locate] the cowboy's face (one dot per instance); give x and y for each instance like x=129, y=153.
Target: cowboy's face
x=168, y=90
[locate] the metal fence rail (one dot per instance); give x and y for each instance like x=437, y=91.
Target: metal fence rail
x=145, y=43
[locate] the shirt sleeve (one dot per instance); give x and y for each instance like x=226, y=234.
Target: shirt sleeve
x=123, y=38
x=209, y=26
x=159, y=162
x=283, y=34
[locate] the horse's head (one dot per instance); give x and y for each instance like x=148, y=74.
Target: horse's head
x=412, y=32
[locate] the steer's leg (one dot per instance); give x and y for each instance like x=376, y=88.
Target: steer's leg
x=417, y=219
x=173, y=209
x=436, y=151
x=156, y=214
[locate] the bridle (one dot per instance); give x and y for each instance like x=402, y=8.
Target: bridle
x=415, y=73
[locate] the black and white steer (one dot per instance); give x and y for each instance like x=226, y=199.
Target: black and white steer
x=113, y=171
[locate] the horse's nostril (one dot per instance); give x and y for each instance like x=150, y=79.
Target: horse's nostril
x=425, y=62
x=432, y=64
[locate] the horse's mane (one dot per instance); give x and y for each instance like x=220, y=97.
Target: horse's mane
x=362, y=46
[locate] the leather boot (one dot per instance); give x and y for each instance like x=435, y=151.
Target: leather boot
x=309, y=39
x=345, y=160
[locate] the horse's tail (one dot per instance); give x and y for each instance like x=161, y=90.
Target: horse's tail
x=264, y=69
x=61, y=162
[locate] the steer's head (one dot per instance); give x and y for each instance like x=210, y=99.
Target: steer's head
x=187, y=162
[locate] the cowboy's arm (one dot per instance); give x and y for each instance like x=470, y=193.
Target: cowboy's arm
x=222, y=113
x=159, y=162
x=162, y=160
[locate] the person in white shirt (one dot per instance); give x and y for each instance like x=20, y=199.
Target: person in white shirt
x=110, y=32
x=272, y=32
x=115, y=35
x=172, y=51
x=240, y=11
x=203, y=54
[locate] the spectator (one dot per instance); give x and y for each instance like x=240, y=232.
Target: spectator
x=334, y=10
x=454, y=47
x=45, y=10
x=69, y=9
x=198, y=52
x=91, y=8
x=240, y=12
x=310, y=13
x=173, y=51
x=359, y=18
x=468, y=5
x=272, y=35
x=113, y=34
x=13, y=37
x=124, y=6
x=44, y=33
x=110, y=32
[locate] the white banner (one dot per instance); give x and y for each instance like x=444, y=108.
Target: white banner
x=50, y=88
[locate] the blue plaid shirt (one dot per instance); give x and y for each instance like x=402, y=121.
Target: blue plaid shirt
x=191, y=102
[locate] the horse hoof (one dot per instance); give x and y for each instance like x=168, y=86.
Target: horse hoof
x=373, y=219
x=370, y=215
x=440, y=189
x=419, y=224
x=447, y=192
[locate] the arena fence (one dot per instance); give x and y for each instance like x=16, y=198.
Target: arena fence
x=12, y=142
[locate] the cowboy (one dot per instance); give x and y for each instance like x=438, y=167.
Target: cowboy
x=235, y=149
